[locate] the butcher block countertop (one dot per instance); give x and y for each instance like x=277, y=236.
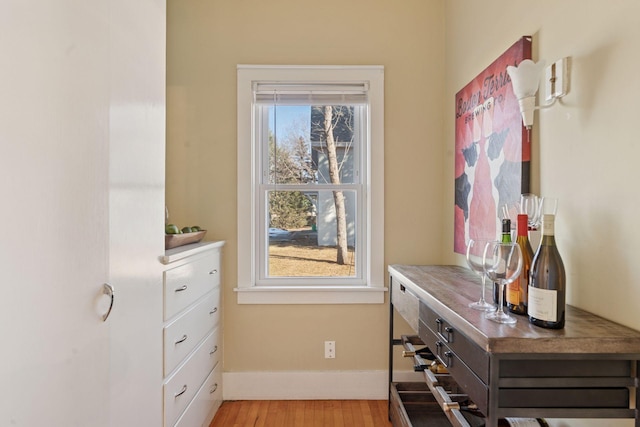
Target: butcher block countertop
x=449, y=289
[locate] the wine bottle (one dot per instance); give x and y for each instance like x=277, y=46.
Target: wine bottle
x=522, y=422
x=547, y=285
x=506, y=238
x=475, y=418
x=518, y=289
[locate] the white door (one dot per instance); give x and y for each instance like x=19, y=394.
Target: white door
x=65, y=104
x=54, y=96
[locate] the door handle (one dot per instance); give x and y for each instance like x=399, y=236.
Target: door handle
x=107, y=289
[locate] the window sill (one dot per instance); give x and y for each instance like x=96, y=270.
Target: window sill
x=311, y=295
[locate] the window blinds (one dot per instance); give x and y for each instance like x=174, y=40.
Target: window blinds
x=310, y=93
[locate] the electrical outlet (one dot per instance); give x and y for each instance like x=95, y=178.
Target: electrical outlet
x=329, y=349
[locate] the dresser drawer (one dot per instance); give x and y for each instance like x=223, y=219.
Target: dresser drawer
x=184, y=284
x=183, y=385
x=405, y=302
x=184, y=333
x=475, y=357
x=202, y=408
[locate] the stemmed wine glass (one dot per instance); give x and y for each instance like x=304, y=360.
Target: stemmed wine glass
x=502, y=264
x=475, y=254
x=530, y=205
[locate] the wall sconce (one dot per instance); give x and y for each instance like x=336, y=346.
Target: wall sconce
x=525, y=79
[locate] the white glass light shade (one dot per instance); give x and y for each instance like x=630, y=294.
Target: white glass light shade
x=525, y=78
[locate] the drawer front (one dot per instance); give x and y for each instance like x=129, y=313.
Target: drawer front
x=182, y=386
x=476, y=358
x=183, y=285
x=473, y=386
x=405, y=302
x=204, y=405
x=184, y=333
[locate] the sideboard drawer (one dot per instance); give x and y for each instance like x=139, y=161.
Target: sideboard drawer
x=184, y=284
x=405, y=302
x=476, y=358
x=184, y=333
x=182, y=386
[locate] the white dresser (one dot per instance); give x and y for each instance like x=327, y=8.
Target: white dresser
x=192, y=334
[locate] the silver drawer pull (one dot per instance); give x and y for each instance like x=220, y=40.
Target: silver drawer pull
x=214, y=271
x=215, y=309
x=449, y=331
x=181, y=392
x=439, y=325
x=449, y=356
x=183, y=339
x=214, y=388
x=215, y=348
x=181, y=288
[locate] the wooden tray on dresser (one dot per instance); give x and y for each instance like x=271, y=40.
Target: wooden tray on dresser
x=174, y=240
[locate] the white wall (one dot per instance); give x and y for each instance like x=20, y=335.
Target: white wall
x=585, y=151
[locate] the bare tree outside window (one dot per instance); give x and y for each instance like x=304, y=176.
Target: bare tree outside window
x=321, y=155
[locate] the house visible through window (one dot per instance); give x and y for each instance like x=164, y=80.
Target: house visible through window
x=306, y=156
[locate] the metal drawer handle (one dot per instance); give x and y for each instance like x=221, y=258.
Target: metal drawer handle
x=181, y=288
x=439, y=325
x=183, y=339
x=215, y=348
x=107, y=289
x=214, y=310
x=214, y=271
x=214, y=388
x=449, y=356
x=181, y=392
x=449, y=330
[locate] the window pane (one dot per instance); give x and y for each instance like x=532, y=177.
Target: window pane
x=303, y=234
x=311, y=144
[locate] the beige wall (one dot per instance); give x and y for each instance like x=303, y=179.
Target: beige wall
x=585, y=149
x=584, y=153
x=206, y=40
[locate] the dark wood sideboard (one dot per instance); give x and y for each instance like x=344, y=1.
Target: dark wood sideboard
x=589, y=369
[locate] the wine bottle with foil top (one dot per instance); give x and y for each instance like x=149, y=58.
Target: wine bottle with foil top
x=517, y=291
x=505, y=238
x=547, y=286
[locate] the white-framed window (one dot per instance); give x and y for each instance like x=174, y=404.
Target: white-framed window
x=310, y=184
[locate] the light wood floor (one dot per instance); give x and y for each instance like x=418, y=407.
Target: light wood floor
x=302, y=413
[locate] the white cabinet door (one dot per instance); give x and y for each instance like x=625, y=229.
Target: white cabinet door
x=81, y=100
x=54, y=135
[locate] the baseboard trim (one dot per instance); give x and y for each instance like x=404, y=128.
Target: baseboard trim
x=310, y=385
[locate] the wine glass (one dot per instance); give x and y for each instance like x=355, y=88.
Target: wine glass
x=475, y=254
x=502, y=264
x=548, y=206
x=530, y=205
x=510, y=210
